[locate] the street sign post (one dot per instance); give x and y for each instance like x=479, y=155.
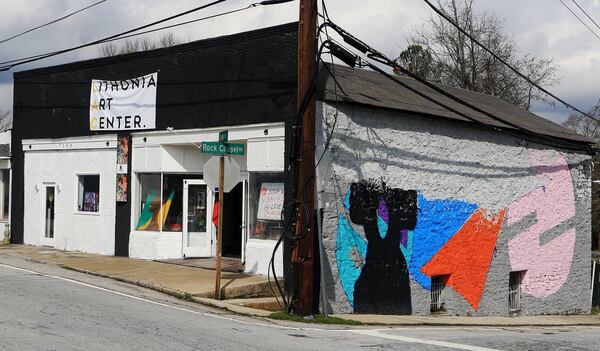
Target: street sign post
x=224, y=136
x=228, y=177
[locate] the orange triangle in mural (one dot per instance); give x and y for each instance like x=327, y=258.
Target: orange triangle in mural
x=466, y=257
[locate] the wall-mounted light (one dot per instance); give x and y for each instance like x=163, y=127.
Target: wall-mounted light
x=35, y=187
x=57, y=188
x=144, y=139
x=266, y=132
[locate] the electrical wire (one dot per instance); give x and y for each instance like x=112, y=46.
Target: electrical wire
x=51, y=22
x=588, y=16
x=580, y=20
x=28, y=60
x=332, y=74
x=16, y=62
x=379, y=57
x=511, y=67
x=184, y=23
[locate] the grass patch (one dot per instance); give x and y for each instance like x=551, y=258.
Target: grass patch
x=187, y=296
x=596, y=310
x=317, y=318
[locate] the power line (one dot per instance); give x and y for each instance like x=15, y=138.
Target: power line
x=115, y=36
x=149, y=31
x=579, y=18
x=28, y=60
x=11, y=63
x=379, y=57
x=529, y=80
x=588, y=16
x=184, y=23
x=51, y=22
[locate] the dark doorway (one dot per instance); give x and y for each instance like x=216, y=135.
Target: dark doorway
x=232, y=223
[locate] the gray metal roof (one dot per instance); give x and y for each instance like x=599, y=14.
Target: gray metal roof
x=371, y=88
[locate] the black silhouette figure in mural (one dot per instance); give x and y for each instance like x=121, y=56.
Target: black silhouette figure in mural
x=383, y=286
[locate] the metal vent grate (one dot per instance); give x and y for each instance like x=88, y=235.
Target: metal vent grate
x=437, y=293
x=514, y=291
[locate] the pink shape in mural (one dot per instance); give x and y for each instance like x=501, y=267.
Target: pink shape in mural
x=553, y=203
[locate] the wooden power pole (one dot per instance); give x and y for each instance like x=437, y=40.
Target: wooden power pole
x=303, y=254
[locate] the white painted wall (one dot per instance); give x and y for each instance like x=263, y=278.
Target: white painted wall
x=59, y=162
x=155, y=245
x=258, y=255
x=173, y=152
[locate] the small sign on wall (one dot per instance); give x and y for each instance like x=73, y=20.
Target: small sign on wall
x=270, y=202
x=121, y=187
x=122, y=155
x=128, y=104
x=122, y=161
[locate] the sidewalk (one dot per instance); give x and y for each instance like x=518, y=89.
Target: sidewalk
x=197, y=284
x=173, y=279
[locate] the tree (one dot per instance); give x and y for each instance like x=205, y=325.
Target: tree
x=138, y=44
x=591, y=129
x=458, y=61
x=417, y=60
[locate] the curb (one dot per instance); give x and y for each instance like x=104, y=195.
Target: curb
x=242, y=310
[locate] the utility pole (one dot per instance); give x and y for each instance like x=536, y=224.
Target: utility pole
x=303, y=254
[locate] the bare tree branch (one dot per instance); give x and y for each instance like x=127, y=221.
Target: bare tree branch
x=460, y=62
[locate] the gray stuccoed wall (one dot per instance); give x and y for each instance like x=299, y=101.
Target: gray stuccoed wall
x=448, y=160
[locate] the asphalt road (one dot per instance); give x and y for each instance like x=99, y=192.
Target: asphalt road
x=43, y=307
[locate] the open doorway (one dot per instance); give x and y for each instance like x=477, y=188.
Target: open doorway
x=232, y=223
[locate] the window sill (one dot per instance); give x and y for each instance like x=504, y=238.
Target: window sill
x=84, y=213
x=142, y=232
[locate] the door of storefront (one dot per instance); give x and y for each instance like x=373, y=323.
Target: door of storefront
x=197, y=233
x=48, y=203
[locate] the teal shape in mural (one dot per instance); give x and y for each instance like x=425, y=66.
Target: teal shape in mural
x=351, y=252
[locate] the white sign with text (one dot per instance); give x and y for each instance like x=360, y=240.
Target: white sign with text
x=270, y=202
x=128, y=104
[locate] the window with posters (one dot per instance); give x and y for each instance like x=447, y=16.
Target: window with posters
x=266, y=194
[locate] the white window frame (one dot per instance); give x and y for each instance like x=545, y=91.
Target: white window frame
x=76, y=194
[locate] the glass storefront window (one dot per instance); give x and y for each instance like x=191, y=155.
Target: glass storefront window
x=266, y=194
x=164, y=214
x=149, y=202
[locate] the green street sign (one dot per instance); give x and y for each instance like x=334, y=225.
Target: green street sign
x=223, y=136
x=216, y=148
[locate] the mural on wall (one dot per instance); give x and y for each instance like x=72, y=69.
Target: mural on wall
x=375, y=272
x=547, y=265
x=438, y=221
x=450, y=238
x=465, y=259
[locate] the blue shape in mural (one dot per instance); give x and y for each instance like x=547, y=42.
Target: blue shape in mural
x=437, y=222
x=351, y=252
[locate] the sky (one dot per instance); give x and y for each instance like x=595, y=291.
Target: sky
x=543, y=28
